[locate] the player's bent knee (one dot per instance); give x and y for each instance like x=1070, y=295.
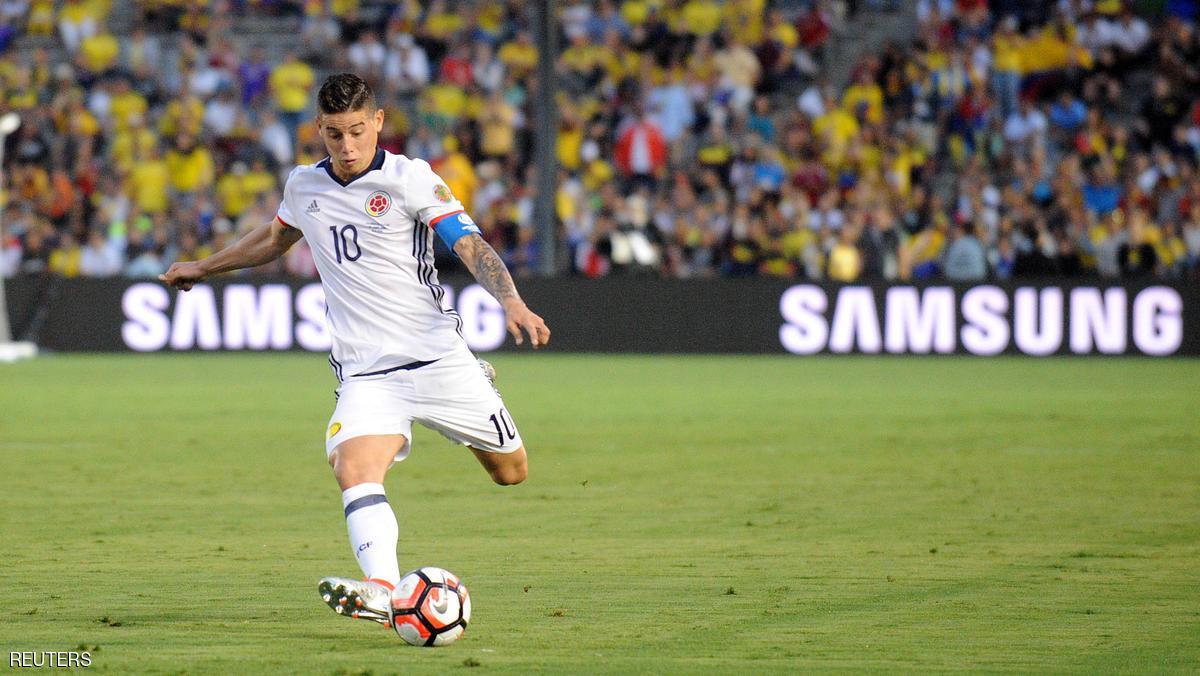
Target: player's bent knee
x=513, y=472
x=506, y=469
x=509, y=477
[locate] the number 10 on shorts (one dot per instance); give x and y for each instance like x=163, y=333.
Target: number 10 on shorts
x=509, y=427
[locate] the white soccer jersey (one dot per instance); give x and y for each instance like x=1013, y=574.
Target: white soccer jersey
x=372, y=240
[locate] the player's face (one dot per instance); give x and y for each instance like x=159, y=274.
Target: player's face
x=350, y=139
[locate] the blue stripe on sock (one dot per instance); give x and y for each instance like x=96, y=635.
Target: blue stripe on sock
x=365, y=501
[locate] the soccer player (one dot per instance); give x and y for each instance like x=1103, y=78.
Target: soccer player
x=369, y=217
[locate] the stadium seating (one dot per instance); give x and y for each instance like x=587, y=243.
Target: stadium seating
x=943, y=140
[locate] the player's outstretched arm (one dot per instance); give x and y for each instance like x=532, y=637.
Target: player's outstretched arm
x=485, y=264
x=261, y=245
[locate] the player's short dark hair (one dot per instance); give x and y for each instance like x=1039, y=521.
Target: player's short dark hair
x=345, y=92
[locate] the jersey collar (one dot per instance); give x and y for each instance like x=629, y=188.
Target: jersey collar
x=376, y=163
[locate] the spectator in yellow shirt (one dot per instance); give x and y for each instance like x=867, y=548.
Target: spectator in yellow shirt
x=519, y=56
x=184, y=115
x=64, y=260
x=584, y=61
x=99, y=53
x=782, y=31
x=701, y=18
x=239, y=188
x=570, y=139
x=437, y=29
x=440, y=22
x=498, y=138
x=442, y=104
x=458, y=172
x=845, y=260
x=125, y=104
x=131, y=145
x=1006, y=66
x=864, y=94
x=635, y=12
x=190, y=166
x=232, y=196
x=920, y=256
x=40, y=20
x=259, y=180
x=22, y=94
x=290, y=82
x=148, y=183
x=837, y=126
x=744, y=18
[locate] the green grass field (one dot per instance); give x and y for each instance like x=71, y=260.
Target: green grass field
x=694, y=514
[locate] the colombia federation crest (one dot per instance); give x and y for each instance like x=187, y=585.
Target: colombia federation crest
x=378, y=203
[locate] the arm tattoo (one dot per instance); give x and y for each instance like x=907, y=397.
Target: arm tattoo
x=485, y=264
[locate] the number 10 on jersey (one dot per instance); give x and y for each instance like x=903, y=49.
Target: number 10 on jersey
x=345, y=243
x=510, y=428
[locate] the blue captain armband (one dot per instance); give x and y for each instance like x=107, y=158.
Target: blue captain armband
x=453, y=227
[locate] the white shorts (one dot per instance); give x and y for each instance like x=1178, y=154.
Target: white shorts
x=451, y=396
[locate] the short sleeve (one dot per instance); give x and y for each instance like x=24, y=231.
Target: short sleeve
x=286, y=210
x=427, y=198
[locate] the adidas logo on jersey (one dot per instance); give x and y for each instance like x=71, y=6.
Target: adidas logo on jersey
x=313, y=208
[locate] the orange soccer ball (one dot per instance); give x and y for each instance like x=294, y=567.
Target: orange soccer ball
x=431, y=607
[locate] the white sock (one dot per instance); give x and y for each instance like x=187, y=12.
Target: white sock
x=373, y=531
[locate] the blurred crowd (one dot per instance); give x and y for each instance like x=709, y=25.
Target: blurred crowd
x=695, y=138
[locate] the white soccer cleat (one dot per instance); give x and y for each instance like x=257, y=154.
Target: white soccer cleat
x=488, y=370
x=361, y=599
